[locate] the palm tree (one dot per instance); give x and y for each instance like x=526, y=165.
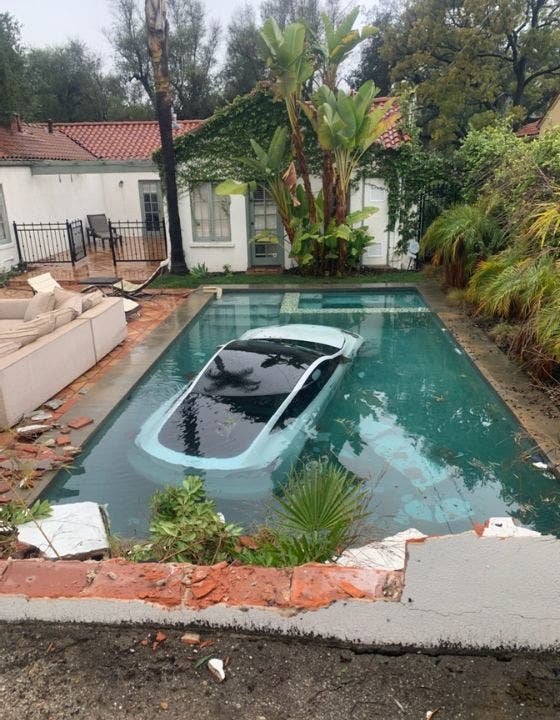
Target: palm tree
x=158, y=33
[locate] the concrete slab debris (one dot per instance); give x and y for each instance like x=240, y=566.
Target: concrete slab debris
x=75, y=530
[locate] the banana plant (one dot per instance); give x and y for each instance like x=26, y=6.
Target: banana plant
x=347, y=126
x=287, y=55
x=271, y=170
x=339, y=43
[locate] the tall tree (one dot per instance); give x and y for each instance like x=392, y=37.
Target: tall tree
x=192, y=54
x=243, y=65
x=11, y=68
x=471, y=61
x=67, y=83
x=371, y=65
x=286, y=12
x=157, y=29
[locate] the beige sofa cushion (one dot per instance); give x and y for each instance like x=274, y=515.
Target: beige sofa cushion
x=7, y=347
x=10, y=323
x=91, y=299
x=66, y=298
x=61, y=317
x=41, y=302
x=28, y=332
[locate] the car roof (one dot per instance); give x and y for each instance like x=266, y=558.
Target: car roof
x=321, y=334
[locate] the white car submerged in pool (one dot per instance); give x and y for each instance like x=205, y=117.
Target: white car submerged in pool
x=254, y=401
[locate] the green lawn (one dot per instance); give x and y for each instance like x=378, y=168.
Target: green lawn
x=188, y=281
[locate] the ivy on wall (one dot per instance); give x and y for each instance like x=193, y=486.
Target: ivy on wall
x=211, y=154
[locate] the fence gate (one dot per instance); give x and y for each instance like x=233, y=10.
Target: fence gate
x=76, y=240
x=138, y=241
x=50, y=243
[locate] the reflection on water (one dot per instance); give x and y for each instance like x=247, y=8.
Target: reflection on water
x=411, y=417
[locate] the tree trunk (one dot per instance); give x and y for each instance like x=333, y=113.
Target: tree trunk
x=341, y=214
x=158, y=31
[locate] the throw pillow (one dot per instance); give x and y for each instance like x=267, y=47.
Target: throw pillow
x=41, y=302
x=65, y=298
x=61, y=317
x=91, y=299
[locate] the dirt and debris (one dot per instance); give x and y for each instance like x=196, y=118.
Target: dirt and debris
x=60, y=671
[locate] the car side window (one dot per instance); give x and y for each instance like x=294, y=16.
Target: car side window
x=311, y=388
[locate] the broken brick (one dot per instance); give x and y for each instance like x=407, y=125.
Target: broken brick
x=80, y=422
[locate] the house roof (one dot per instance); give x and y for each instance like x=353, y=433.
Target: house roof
x=532, y=129
x=123, y=140
x=394, y=136
x=86, y=141
x=35, y=142
x=549, y=120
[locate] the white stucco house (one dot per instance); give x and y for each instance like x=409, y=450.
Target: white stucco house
x=53, y=173
x=220, y=231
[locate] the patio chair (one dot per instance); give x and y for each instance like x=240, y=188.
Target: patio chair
x=99, y=230
x=130, y=289
x=46, y=283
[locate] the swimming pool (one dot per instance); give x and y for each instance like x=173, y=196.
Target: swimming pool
x=412, y=417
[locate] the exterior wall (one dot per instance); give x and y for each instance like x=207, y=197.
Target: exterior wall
x=236, y=253
x=552, y=117
x=216, y=254
x=58, y=196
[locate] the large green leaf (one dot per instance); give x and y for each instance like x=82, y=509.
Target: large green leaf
x=233, y=187
x=360, y=215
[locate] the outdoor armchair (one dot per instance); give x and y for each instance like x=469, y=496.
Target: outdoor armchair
x=98, y=229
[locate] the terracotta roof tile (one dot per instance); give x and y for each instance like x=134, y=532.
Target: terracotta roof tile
x=394, y=136
x=123, y=140
x=532, y=129
x=35, y=142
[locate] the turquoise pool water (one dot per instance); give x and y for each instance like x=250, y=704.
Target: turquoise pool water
x=412, y=417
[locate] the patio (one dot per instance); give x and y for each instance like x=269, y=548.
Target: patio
x=98, y=263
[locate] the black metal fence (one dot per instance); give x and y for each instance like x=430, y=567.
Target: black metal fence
x=137, y=241
x=49, y=243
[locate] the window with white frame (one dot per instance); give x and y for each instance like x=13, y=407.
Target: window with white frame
x=210, y=214
x=5, y=237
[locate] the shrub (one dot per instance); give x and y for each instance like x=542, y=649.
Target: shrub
x=187, y=528
x=458, y=239
x=317, y=516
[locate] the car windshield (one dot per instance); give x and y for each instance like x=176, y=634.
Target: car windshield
x=233, y=400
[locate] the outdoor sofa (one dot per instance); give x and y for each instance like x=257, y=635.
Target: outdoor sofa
x=49, y=340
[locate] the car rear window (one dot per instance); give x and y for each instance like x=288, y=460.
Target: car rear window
x=235, y=398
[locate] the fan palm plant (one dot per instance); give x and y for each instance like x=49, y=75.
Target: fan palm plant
x=460, y=238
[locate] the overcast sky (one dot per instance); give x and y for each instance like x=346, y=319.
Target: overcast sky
x=52, y=22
